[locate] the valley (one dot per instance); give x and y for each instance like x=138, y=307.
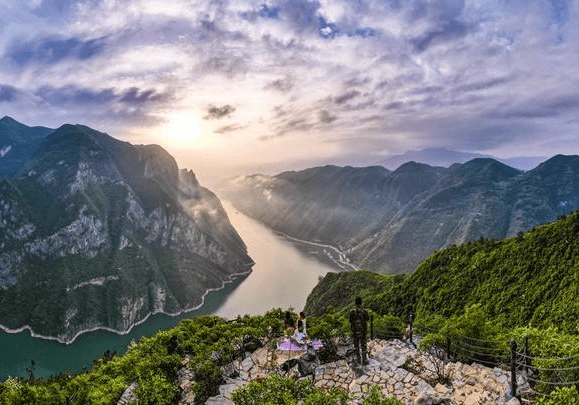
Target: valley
x=288, y=272
x=389, y=221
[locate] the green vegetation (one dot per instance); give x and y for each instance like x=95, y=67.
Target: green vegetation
x=286, y=391
x=482, y=295
x=209, y=341
x=531, y=280
x=561, y=396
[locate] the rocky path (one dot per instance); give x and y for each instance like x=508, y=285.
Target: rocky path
x=397, y=368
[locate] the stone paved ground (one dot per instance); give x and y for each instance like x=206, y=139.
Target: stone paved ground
x=396, y=367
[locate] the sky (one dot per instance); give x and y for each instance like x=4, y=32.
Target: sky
x=237, y=86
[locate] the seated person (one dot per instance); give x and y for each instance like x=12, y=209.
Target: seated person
x=300, y=332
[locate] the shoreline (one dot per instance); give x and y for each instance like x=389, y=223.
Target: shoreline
x=33, y=334
x=339, y=262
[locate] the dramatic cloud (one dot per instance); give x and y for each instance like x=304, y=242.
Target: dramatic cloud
x=345, y=77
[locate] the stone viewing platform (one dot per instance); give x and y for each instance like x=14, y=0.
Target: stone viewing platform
x=396, y=367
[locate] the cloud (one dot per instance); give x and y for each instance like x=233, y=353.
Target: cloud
x=412, y=73
x=560, y=11
x=482, y=85
x=217, y=113
x=393, y=105
x=227, y=128
x=533, y=109
x=224, y=63
x=439, y=10
x=136, y=96
x=53, y=50
x=326, y=117
x=448, y=31
x=56, y=8
x=71, y=94
x=83, y=96
x=7, y=93
x=265, y=11
x=293, y=124
x=302, y=15
x=283, y=85
x=346, y=97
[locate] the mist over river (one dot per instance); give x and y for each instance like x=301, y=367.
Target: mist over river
x=283, y=275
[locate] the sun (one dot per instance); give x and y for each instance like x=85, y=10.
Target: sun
x=182, y=129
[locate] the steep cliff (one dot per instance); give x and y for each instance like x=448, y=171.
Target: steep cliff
x=99, y=233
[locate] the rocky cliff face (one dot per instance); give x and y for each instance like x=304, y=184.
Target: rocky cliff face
x=390, y=221
x=98, y=233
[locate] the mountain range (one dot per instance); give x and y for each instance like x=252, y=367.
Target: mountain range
x=389, y=221
x=99, y=233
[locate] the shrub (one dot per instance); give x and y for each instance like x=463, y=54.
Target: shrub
x=377, y=398
x=561, y=396
x=286, y=391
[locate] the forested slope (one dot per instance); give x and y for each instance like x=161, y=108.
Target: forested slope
x=528, y=280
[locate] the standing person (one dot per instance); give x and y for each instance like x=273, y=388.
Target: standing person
x=288, y=323
x=359, y=325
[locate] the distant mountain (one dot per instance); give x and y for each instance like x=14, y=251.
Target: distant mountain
x=17, y=142
x=99, y=233
x=432, y=156
x=445, y=158
x=389, y=221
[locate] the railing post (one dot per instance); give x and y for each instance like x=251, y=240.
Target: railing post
x=448, y=347
x=371, y=326
x=527, y=357
x=513, y=368
x=410, y=327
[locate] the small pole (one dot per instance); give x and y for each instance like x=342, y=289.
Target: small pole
x=448, y=346
x=513, y=368
x=371, y=325
x=527, y=353
x=411, y=327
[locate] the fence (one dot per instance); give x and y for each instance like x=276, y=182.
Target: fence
x=531, y=377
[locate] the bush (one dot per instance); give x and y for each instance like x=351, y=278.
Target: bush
x=561, y=396
x=388, y=327
x=377, y=398
x=285, y=391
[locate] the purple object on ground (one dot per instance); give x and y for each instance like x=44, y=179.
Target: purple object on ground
x=294, y=346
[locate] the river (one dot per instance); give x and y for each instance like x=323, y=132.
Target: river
x=284, y=273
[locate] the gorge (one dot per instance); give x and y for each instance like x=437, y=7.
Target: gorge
x=389, y=221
